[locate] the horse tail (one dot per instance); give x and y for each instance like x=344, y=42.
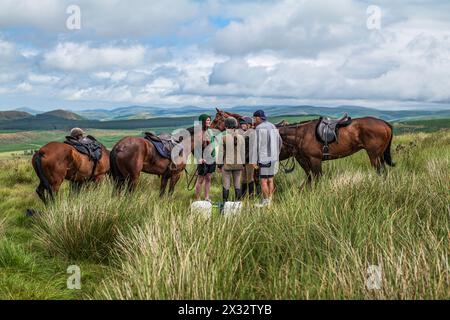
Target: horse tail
x=387, y=153
x=114, y=169
x=37, y=161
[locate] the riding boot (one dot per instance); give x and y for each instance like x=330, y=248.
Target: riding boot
x=244, y=189
x=238, y=194
x=258, y=189
x=225, y=193
x=251, y=189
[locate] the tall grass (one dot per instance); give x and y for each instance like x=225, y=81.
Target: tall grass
x=317, y=242
x=2, y=227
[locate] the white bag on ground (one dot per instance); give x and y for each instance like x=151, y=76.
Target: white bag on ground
x=202, y=207
x=232, y=208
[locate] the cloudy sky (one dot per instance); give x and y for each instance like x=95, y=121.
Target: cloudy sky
x=224, y=53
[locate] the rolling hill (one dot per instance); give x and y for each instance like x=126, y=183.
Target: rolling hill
x=140, y=112
x=61, y=114
x=13, y=115
x=136, y=117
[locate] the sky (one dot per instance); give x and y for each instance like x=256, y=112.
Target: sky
x=383, y=54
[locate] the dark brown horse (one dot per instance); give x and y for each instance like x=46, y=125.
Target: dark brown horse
x=57, y=161
x=133, y=155
x=300, y=141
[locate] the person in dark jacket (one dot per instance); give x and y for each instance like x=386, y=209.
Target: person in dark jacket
x=204, y=169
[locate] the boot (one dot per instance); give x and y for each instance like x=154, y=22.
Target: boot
x=251, y=188
x=244, y=189
x=258, y=189
x=225, y=194
x=238, y=194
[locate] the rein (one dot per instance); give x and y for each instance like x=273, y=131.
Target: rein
x=293, y=146
x=189, y=185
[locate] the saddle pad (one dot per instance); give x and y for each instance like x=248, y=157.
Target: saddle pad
x=159, y=146
x=92, y=149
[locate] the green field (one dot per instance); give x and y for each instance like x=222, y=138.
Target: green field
x=314, y=243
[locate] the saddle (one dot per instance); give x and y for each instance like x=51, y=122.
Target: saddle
x=164, y=143
x=328, y=131
x=88, y=146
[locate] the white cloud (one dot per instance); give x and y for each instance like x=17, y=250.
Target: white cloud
x=42, y=78
x=295, y=27
x=82, y=57
x=115, y=18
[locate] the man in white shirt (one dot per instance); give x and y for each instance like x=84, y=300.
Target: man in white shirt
x=268, y=151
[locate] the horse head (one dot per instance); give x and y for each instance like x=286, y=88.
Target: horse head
x=219, y=120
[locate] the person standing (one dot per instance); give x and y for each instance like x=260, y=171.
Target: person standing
x=204, y=169
x=232, y=156
x=268, y=143
x=248, y=183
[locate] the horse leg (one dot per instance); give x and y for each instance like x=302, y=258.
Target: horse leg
x=307, y=168
x=375, y=161
x=173, y=181
x=75, y=186
x=316, y=167
x=164, y=180
x=133, y=181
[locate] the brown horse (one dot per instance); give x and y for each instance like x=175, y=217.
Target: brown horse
x=300, y=141
x=133, y=155
x=57, y=161
x=219, y=121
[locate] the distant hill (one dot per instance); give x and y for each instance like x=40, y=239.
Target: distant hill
x=63, y=114
x=13, y=115
x=138, y=117
x=28, y=110
x=41, y=122
x=353, y=111
x=140, y=112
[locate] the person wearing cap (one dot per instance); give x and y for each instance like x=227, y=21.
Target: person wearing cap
x=248, y=183
x=232, y=158
x=268, y=146
x=204, y=169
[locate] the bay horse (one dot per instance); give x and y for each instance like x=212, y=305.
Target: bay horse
x=300, y=141
x=133, y=155
x=219, y=121
x=57, y=161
